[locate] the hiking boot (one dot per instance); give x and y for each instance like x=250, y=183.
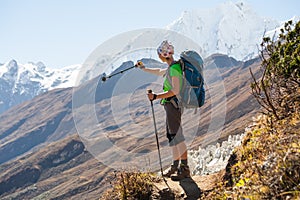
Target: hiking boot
x=183, y=172
x=172, y=170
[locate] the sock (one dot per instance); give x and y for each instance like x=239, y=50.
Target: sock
x=175, y=163
x=184, y=162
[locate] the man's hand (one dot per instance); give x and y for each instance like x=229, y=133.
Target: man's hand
x=152, y=96
x=140, y=64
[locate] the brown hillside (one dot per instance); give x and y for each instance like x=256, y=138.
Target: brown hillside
x=33, y=165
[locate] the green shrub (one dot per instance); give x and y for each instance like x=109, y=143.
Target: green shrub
x=278, y=87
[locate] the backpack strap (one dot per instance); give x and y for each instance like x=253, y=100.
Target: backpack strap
x=167, y=74
x=181, y=63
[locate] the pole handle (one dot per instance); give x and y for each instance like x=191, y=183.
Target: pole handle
x=150, y=92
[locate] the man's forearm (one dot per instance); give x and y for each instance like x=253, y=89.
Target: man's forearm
x=155, y=71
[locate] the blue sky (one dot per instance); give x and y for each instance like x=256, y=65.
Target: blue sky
x=65, y=32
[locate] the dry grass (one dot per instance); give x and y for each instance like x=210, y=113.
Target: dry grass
x=267, y=163
x=130, y=185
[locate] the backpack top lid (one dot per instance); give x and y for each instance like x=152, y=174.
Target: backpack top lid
x=194, y=58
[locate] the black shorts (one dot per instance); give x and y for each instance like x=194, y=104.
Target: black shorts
x=173, y=124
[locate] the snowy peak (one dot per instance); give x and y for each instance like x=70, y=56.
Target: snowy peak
x=12, y=65
x=41, y=66
x=231, y=28
x=9, y=70
x=38, y=72
x=21, y=82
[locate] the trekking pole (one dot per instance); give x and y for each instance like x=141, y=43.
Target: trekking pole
x=157, y=142
x=104, y=78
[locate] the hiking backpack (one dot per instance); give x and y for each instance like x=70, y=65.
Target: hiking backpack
x=192, y=93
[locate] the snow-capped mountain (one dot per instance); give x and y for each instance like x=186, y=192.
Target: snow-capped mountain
x=234, y=29
x=21, y=82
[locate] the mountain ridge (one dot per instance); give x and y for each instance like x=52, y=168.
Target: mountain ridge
x=235, y=30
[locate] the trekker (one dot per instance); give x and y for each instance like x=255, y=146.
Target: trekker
x=171, y=88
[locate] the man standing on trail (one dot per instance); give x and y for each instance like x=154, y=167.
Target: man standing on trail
x=171, y=88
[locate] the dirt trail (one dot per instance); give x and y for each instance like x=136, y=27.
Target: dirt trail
x=189, y=188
